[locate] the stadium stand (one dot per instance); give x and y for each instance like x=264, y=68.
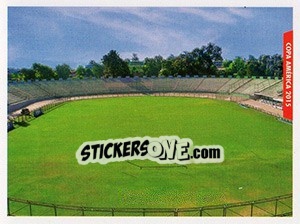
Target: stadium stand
x=266, y=84
x=238, y=84
x=274, y=90
x=13, y=99
x=226, y=87
x=20, y=93
x=211, y=85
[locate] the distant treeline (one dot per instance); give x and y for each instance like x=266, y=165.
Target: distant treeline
x=206, y=60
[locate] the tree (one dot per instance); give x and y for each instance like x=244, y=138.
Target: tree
x=97, y=70
x=276, y=65
x=91, y=64
x=127, y=60
x=181, y=65
x=63, y=71
x=271, y=65
x=88, y=72
x=226, y=63
x=43, y=72
x=238, y=67
x=94, y=69
x=134, y=58
x=167, y=67
x=152, y=66
x=17, y=77
x=114, y=65
x=26, y=74
x=253, y=67
x=226, y=70
x=206, y=58
x=199, y=61
x=80, y=72
x=213, y=51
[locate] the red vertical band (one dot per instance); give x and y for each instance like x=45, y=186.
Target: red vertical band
x=288, y=75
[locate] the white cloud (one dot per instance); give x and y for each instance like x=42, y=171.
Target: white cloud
x=241, y=12
x=157, y=36
x=174, y=42
x=79, y=34
x=137, y=14
x=213, y=15
x=152, y=15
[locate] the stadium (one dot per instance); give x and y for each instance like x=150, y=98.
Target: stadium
x=244, y=115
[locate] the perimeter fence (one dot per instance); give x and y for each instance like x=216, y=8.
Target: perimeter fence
x=275, y=206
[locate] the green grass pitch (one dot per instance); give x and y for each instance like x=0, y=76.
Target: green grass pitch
x=258, y=154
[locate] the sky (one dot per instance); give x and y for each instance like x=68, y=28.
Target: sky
x=77, y=35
